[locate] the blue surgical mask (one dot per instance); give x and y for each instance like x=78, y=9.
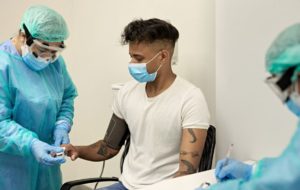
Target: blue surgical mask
x=294, y=103
x=139, y=71
x=33, y=62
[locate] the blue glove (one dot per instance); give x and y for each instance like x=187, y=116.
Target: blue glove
x=61, y=134
x=232, y=169
x=42, y=153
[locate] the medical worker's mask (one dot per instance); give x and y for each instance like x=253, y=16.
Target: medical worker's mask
x=294, y=100
x=41, y=57
x=294, y=103
x=139, y=71
x=33, y=62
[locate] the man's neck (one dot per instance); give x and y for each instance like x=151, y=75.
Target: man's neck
x=160, y=84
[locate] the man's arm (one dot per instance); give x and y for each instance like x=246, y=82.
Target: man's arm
x=191, y=148
x=98, y=151
x=107, y=148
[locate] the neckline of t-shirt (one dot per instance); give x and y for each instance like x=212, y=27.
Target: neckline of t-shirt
x=150, y=99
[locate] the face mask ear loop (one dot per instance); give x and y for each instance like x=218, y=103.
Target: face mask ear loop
x=159, y=67
x=153, y=57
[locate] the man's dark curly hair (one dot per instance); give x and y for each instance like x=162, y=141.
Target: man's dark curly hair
x=149, y=31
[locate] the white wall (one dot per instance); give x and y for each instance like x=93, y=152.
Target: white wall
x=96, y=59
x=248, y=113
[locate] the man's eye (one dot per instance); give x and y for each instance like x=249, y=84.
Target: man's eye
x=139, y=59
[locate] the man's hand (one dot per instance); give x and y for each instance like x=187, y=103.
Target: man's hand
x=71, y=151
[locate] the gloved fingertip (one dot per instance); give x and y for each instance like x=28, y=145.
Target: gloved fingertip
x=219, y=178
x=46, y=161
x=56, y=160
x=219, y=167
x=62, y=161
x=223, y=172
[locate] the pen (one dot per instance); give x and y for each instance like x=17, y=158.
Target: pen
x=226, y=160
x=228, y=154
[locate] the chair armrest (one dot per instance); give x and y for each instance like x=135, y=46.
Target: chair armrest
x=68, y=185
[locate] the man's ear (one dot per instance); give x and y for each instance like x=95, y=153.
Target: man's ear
x=165, y=55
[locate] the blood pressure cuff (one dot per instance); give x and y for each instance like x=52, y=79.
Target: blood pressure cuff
x=116, y=133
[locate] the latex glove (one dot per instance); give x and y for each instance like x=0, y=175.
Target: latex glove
x=232, y=169
x=42, y=153
x=61, y=134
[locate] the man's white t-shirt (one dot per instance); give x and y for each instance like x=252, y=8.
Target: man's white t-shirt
x=155, y=126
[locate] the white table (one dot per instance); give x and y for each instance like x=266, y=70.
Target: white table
x=189, y=182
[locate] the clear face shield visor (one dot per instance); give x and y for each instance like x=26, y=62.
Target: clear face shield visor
x=282, y=85
x=43, y=51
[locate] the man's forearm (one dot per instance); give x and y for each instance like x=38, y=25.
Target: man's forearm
x=189, y=163
x=192, y=144
x=98, y=151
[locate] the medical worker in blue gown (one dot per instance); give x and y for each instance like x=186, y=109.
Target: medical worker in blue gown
x=282, y=172
x=36, y=102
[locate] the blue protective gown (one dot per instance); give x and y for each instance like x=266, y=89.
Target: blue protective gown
x=279, y=173
x=30, y=104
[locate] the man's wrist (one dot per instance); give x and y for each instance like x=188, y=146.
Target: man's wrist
x=79, y=150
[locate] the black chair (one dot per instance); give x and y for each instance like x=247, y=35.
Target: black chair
x=208, y=150
x=205, y=162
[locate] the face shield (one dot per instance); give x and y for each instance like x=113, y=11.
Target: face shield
x=42, y=50
x=283, y=85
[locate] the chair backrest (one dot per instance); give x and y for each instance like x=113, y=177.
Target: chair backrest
x=207, y=155
x=125, y=151
x=208, y=150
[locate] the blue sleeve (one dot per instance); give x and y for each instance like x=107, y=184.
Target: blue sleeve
x=280, y=173
x=66, y=112
x=14, y=139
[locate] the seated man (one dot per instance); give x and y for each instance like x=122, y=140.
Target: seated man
x=166, y=116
